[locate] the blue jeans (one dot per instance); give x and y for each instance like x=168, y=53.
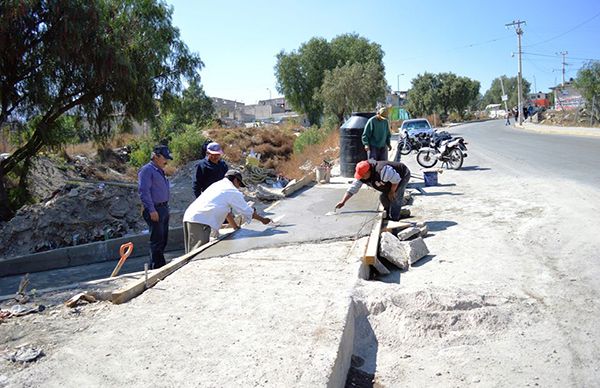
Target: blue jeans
x=159, y=235
x=393, y=207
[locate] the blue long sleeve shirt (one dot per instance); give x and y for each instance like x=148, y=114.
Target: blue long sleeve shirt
x=153, y=186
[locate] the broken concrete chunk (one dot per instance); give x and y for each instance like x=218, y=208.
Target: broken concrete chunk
x=424, y=230
x=391, y=249
x=415, y=249
x=409, y=233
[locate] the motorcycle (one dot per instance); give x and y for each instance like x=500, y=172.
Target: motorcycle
x=450, y=151
x=410, y=143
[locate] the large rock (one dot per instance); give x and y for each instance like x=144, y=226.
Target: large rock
x=391, y=249
x=415, y=249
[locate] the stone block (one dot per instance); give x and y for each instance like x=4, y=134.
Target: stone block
x=424, y=230
x=391, y=249
x=409, y=233
x=415, y=249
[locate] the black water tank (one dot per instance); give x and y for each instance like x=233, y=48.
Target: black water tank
x=352, y=150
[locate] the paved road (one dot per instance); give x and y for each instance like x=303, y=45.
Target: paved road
x=536, y=153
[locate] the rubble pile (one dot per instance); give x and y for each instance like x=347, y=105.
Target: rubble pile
x=576, y=118
x=76, y=214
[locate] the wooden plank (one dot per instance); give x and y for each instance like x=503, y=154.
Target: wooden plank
x=137, y=287
x=373, y=244
x=306, y=179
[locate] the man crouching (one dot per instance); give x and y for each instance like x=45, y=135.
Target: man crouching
x=389, y=178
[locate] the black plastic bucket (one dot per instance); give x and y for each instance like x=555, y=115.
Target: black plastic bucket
x=352, y=150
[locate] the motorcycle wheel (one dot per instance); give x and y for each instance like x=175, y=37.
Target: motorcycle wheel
x=455, y=159
x=405, y=146
x=426, y=158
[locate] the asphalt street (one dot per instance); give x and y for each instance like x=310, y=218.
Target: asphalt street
x=541, y=154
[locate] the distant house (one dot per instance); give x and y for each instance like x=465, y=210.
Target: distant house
x=274, y=110
x=567, y=97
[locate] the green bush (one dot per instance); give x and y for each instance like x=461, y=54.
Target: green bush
x=186, y=145
x=313, y=135
x=140, y=151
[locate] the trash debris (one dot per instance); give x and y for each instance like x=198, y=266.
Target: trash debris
x=25, y=354
x=82, y=296
x=19, y=310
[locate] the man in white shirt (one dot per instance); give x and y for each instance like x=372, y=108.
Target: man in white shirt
x=213, y=206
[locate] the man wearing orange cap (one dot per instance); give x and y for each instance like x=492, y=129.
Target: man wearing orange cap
x=389, y=178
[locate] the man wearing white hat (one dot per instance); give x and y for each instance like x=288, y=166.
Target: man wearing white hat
x=210, y=169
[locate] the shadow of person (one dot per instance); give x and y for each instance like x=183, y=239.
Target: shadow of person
x=270, y=231
x=474, y=168
x=436, y=226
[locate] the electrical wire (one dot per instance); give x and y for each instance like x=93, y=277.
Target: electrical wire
x=564, y=33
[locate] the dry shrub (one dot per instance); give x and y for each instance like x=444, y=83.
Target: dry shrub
x=87, y=149
x=274, y=144
x=312, y=156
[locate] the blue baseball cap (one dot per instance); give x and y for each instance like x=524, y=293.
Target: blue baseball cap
x=163, y=150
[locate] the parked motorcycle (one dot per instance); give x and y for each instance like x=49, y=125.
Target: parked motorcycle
x=450, y=151
x=409, y=143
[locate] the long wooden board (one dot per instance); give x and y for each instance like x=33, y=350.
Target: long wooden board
x=137, y=287
x=373, y=244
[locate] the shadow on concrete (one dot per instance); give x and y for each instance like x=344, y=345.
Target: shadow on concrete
x=301, y=190
x=436, y=226
x=358, y=212
x=247, y=233
x=363, y=363
x=423, y=261
x=474, y=168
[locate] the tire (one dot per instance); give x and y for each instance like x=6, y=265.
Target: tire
x=405, y=146
x=426, y=158
x=455, y=159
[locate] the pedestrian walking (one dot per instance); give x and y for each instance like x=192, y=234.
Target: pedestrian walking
x=376, y=136
x=507, y=122
x=153, y=188
x=215, y=205
x=389, y=178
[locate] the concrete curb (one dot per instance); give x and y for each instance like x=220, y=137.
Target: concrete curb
x=95, y=252
x=341, y=364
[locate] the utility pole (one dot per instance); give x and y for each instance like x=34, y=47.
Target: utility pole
x=563, y=53
x=519, y=31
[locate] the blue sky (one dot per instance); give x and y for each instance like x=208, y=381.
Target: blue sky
x=238, y=40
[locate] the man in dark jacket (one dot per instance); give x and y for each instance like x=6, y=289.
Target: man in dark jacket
x=210, y=169
x=389, y=178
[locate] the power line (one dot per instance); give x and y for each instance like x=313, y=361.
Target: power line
x=566, y=32
x=554, y=56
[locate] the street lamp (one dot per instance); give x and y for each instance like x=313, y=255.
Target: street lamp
x=398, y=77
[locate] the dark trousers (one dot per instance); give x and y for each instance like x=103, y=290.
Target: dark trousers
x=393, y=207
x=159, y=235
x=378, y=153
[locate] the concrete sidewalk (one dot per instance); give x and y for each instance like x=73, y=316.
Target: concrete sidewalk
x=270, y=306
x=557, y=130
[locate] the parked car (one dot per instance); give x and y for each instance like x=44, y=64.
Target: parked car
x=414, y=127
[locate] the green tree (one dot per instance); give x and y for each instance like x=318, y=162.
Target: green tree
x=95, y=58
x=300, y=74
x=352, y=87
x=494, y=93
x=588, y=83
x=423, y=96
x=195, y=107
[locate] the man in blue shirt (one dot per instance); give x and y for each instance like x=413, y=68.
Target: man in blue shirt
x=153, y=187
x=210, y=169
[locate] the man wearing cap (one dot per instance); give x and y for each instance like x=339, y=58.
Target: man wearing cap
x=215, y=205
x=389, y=178
x=153, y=187
x=376, y=136
x=210, y=169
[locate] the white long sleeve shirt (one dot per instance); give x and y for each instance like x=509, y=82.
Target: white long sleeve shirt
x=213, y=205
